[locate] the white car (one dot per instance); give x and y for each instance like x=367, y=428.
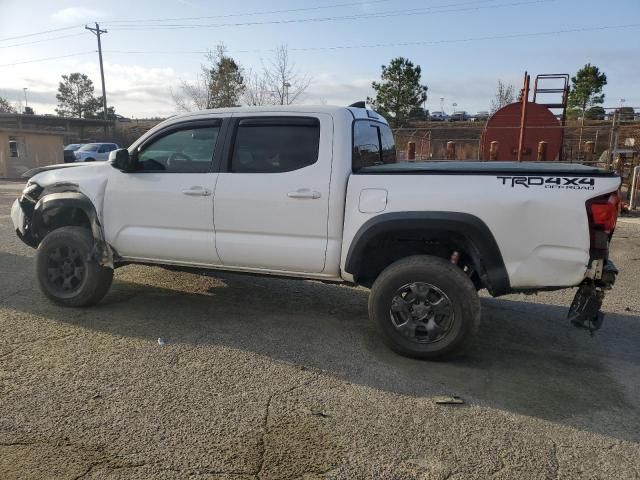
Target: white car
x=91, y=152
x=438, y=117
x=316, y=193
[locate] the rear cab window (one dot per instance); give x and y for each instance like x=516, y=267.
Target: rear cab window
x=275, y=144
x=373, y=144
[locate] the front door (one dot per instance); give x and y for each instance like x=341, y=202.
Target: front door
x=272, y=197
x=163, y=211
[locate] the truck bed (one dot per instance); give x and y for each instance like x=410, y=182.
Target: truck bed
x=536, y=212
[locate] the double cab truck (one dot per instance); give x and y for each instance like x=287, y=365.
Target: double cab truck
x=317, y=193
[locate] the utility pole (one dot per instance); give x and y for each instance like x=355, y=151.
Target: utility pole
x=286, y=92
x=96, y=31
x=26, y=104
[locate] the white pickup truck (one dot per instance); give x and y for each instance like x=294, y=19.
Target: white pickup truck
x=316, y=193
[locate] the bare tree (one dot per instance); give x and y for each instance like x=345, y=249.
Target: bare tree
x=193, y=96
x=257, y=92
x=219, y=84
x=505, y=94
x=284, y=81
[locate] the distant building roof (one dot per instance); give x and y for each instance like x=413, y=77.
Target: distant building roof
x=48, y=121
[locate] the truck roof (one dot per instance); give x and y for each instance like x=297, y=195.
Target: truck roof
x=279, y=109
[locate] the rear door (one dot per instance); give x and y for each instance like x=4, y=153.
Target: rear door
x=272, y=195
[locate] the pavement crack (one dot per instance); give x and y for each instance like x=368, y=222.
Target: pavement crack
x=16, y=444
x=265, y=421
x=87, y=471
x=555, y=461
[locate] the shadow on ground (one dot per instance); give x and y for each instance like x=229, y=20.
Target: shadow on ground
x=527, y=358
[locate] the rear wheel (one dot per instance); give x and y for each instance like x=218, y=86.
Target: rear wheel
x=67, y=274
x=426, y=307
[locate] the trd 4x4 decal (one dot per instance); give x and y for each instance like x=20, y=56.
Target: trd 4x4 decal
x=568, y=183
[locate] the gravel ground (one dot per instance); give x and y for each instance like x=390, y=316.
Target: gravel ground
x=269, y=378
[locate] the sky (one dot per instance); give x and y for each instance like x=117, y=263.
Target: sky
x=463, y=46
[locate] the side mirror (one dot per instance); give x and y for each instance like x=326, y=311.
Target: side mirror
x=121, y=160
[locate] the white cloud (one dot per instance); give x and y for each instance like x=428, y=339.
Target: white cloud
x=327, y=88
x=132, y=89
x=76, y=14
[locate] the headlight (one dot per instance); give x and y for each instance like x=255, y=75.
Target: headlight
x=32, y=191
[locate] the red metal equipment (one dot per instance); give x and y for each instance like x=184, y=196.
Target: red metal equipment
x=554, y=90
x=515, y=132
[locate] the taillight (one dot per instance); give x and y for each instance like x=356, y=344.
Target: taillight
x=603, y=212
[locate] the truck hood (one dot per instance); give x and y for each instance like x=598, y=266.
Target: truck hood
x=89, y=179
x=35, y=171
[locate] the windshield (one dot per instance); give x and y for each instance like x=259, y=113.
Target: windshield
x=90, y=147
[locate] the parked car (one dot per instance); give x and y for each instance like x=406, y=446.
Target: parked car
x=459, y=116
x=438, y=117
x=315, y=193
x=95, y=152
x=481, y=116
x=122, y=118
x=69, y=156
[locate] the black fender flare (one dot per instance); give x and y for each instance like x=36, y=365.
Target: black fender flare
x=478, y=240
x=72, y=200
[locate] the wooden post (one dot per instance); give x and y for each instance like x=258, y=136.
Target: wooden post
x=493, y=150
x=589, y=150
x=542, y=151
x=451, y=150
x=411, y=151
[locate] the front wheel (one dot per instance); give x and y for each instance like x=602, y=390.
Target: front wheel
x=425, y=306
x=67, y=274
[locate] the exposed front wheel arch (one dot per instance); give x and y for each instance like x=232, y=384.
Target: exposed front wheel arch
x=67, y=271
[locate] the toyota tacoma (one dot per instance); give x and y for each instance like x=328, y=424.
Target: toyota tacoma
x=317, y=193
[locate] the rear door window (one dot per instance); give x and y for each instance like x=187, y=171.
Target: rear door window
x=373, y=144
x=275, y=144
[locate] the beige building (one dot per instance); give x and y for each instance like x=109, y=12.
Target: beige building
x=29, y=141
x=22, y=150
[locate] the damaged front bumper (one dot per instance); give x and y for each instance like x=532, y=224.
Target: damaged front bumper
x=21, y=213
x=585, y=308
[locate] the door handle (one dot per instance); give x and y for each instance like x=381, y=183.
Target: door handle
x=197, y=192
x=304, y=193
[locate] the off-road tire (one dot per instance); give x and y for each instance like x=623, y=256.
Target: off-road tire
x=446, y=277
x=96, y=279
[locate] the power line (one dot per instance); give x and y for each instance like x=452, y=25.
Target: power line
x=43, y=40
x=346, y=47
x=262, y=12
x=235, y=15
x=47, y=59
x=396, y=44
x=470, y=39
x=39, y=33
x=388, y=13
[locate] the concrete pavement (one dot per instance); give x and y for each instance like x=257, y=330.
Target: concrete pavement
x=270, y=378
